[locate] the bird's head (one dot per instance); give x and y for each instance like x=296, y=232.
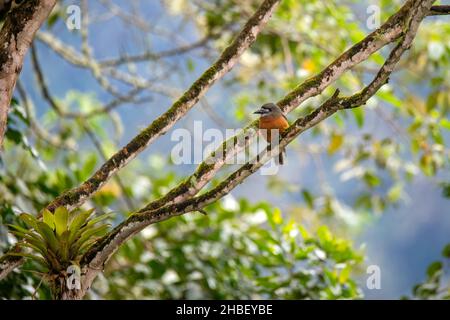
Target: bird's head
x=269, y=110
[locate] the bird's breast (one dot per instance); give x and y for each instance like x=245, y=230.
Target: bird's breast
x=279, y=123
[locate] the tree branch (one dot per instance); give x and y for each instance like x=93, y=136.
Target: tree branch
x=391, y=30
x=439, y=10
x=226, y=61
x=147, y=56
x=16, y=35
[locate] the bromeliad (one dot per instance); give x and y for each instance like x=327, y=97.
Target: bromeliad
x=60, y=239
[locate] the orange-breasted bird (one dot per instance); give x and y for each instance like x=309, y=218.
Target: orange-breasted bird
x=272, y=118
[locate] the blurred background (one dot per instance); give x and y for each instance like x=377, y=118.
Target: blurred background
x=368, y=186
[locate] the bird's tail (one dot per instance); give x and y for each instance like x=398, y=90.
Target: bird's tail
x=281, y=157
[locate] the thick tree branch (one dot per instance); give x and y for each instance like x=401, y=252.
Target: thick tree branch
x=95, y=259
x=16, y=35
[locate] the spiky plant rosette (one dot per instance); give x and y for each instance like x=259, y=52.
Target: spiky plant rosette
x=61, y=238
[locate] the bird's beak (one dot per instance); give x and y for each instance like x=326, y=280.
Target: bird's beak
x=261, y=111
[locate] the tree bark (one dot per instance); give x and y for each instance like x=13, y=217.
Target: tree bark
x=61, y=291
x=16, y=35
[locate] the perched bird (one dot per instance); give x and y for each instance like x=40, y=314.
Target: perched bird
x=272, y=118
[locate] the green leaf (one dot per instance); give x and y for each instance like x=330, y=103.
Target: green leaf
x=48, y=235
x=48, y=218
x=445, y=123
x=434, y=268
x=29, y=220
x=99, y=218
x=446, y=251
x=18, y=228
x=86, y=236
x=336, y=142
x=13, y=135
x=39, y=243
x=29, y=256
x=276, y=217
x=19, y=111
x=345, y=274
x=21, y=232
x=40, y=250
x=390, y=98
x=358, y=113
x=371, y=179
x=53, y=19
x=87, y=245
x=190, y=65
x=88, y=167
x=64, y=245
x=324, y=234
x=307, y=196
x=395, y=192
x=61, y=218
x=99, y=230
x=79, y=220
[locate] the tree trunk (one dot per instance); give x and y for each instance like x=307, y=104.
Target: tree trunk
x=16, y=35
x=63, y=288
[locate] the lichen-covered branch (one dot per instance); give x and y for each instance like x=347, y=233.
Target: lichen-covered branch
x=9, y=263
x=226, y=61
x=95, y=259
x=390, y=31
x=16, y=35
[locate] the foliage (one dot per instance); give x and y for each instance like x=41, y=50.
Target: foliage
x=238, y=251
x=61, y=238
x=437, y=284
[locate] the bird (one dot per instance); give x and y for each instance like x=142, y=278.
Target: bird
x=271, y=117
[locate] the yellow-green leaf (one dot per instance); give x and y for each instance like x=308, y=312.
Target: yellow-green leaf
x=99, y=218
x=29, y=220
x=47, y=233
x=336, y=142
x=345, y=274
x=77, y=222
x=29, y=256
x=61, y=218
x=48, y=218
x=277, y=216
